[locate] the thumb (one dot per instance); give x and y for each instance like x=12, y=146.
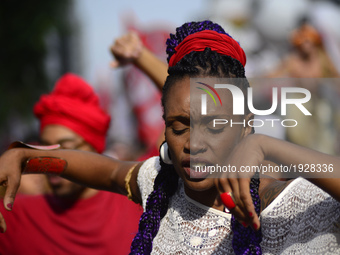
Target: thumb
x=11, y=191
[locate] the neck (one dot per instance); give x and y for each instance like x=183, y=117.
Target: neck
x=208, y=197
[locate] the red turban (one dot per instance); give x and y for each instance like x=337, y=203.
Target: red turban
x=75, y=105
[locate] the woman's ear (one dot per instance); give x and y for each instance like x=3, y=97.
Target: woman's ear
x=248, y=129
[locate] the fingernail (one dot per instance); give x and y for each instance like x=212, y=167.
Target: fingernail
x=10, y=206
x=255, y=226
x=2, y=230
x=244, y=224
x=250, y=214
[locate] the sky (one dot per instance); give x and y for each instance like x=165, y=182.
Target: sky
x=101, y=22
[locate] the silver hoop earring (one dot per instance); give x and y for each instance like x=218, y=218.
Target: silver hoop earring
x=164, y=153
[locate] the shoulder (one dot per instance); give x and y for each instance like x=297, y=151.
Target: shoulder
x=148, y=170
x=283, y=193
x=301, y=219
x=269, y=189
x=146, y=177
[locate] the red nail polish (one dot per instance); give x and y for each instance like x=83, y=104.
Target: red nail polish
x=244, y=224
x=2, y=230
x=255, y=226
x=250, y=214
x=10, y=206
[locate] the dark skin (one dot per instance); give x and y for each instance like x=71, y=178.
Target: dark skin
x=269, y=189
x=183, y=125
x=185, y=133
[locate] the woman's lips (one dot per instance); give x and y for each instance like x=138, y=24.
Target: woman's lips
x=196, y=168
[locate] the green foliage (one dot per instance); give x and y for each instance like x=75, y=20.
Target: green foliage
x=24, y=26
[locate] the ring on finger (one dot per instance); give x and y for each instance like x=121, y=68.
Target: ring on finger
x=228, y=200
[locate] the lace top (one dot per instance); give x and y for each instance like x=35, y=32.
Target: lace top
x=303, y=219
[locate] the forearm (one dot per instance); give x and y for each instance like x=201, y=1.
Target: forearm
x=90, y=169
x=153, y=67
x=319, y=168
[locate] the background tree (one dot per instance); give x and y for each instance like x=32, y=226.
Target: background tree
x=35, y=43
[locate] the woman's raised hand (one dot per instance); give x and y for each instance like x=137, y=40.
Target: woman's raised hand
x=126, y=49
x=234, y=187
x=129, y=49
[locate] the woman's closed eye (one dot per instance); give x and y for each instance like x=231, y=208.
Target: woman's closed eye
x=179, y=128
x=179, y=132
x=215, y=127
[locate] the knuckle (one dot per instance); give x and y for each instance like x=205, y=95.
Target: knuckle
x=244, y=196
x=11, y=195
x=222, y=181
x=237, y=198
x=14, y=181
x=232, y=181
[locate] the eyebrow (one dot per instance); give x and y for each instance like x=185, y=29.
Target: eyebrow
x=221, y=116
x=181, y=118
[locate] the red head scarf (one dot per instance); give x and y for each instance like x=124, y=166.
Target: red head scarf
x=221, y=43
x=74, y=104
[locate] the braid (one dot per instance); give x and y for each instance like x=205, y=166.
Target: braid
x=246, y=240
x=165, y=186
x=188, y=29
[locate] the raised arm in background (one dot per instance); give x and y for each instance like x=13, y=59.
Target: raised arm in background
x=130, y=49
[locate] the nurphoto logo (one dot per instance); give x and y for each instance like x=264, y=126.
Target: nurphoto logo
x=239, y=99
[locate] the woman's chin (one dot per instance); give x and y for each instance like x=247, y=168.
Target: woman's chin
x=199, y=185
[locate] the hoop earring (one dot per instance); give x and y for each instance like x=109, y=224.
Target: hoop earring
x=164, y=153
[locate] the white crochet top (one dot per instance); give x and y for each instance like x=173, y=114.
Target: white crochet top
x=303, y=219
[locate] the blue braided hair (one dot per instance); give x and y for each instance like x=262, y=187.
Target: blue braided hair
x=165, y=186
x=194, y=64
x=187, y=29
